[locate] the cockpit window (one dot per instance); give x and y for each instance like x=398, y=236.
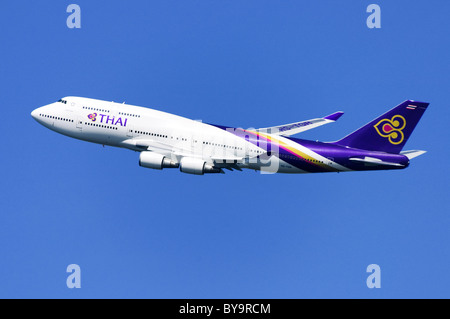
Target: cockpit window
x=63, y=101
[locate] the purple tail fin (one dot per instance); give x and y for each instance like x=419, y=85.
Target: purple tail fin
x=389, y=132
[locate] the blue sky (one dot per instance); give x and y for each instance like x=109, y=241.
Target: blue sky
x=139, y=233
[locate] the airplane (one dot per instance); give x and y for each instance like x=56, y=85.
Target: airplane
x=165, y=140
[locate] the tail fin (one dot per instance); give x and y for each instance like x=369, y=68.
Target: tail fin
x=389, y=132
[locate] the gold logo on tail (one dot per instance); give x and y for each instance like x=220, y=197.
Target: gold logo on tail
x=392, y=129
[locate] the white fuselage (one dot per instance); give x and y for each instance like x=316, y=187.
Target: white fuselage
x=143, y=129
x=166, y=140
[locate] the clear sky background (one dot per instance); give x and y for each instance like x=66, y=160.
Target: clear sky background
x=140, y=233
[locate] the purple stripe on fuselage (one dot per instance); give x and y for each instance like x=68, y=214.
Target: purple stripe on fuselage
x=275, y=149
x=335, y=153
x=342, y=154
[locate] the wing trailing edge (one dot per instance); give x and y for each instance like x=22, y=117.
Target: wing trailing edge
x=298, y=127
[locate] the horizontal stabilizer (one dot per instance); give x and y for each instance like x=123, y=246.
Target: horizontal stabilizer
x=297, y=127
x=412, y=154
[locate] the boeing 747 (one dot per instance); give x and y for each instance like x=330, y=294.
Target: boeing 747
x=165, y=140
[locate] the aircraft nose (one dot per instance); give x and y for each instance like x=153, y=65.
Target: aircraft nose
x=34, y=113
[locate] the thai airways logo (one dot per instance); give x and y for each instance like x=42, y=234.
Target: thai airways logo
x=92, y=116
x=106, y=119
x=392, y=129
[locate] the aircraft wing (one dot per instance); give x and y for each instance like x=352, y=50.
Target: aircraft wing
x=150, y=145
x=227, y=159
x=227, y=162
x=297, y=127
x=222, y=161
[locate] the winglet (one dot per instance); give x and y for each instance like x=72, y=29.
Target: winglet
x=334, y=116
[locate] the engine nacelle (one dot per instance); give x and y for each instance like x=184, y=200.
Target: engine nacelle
x=156, y=161
x=197, y=166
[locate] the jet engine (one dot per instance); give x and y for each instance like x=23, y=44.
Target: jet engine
x=197, y=166
x=156, y=161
